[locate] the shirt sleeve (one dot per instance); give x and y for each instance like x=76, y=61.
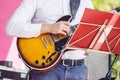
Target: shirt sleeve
x=20, y=24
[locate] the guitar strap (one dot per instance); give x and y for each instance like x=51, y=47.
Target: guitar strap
x=74, y=5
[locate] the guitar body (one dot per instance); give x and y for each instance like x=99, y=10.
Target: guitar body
x=36, y=53
x=40, y=53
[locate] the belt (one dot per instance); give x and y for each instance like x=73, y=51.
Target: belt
x=68, y=62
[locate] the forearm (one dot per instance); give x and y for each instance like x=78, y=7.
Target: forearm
x=61, y=27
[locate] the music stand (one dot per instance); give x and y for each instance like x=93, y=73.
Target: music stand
x=97, y=32
x=108, y=75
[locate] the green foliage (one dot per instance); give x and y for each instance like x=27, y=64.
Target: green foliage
x=105, y=5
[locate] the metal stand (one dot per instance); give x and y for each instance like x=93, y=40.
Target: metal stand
x=108, y=75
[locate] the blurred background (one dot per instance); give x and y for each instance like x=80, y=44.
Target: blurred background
x=105, y=5
x=8, y=50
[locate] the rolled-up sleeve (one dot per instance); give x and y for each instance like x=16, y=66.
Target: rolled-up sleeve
x=20, y=24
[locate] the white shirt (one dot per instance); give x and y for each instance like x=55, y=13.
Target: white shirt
x=31, y=14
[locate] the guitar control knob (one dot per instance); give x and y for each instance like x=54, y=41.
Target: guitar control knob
x=36, y=62
x=43, y=57
x=43, y=64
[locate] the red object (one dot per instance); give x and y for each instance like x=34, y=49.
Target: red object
x=99, y=31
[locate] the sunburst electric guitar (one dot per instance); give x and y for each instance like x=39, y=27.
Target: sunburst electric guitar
x=42, y=53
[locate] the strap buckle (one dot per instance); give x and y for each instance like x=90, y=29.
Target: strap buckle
x=64, y=64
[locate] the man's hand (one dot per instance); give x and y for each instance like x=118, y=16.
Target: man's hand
x=61, y=27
